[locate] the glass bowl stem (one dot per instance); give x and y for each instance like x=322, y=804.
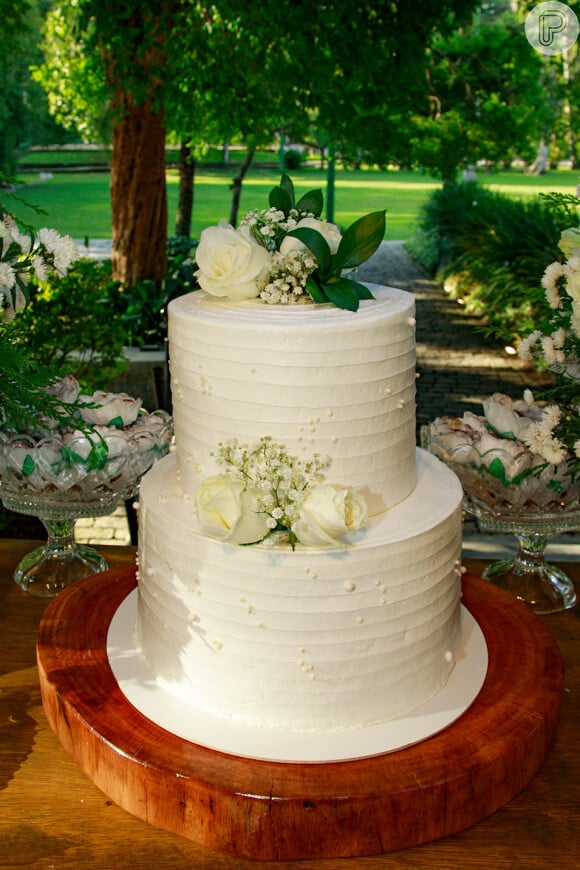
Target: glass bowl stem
x=543, y=587
x=49, y=569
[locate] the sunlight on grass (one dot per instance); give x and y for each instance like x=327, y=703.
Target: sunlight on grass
x=78, y=203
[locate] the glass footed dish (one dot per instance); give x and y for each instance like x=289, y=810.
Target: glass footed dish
x=61, y=479
x=534, y=509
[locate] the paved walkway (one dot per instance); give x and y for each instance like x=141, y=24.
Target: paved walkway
x=457, y=368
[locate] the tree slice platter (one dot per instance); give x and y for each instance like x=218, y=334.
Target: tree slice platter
x=266, y=810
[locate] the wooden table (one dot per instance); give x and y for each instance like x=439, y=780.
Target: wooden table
x=52, y=816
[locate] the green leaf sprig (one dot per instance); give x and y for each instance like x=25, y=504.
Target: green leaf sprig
x=327, y=284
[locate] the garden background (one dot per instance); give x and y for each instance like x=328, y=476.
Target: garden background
x=126, y=123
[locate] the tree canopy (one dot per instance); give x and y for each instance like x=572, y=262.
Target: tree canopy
x=477, y=76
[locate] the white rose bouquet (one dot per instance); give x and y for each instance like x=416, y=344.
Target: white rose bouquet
x=106, y=433
x=530, y=448
x=267, y=494
x=287, y=254
x=509, y=455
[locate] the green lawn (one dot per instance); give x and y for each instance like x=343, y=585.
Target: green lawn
x=78, y=203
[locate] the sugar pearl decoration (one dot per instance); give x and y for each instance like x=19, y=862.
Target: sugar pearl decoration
x=448, y=656
x=349, y=586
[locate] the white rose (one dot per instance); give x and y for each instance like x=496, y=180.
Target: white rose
x=499, y=413
x=573, y=285
x=569, y=241
x=67, y=389
x=230, y=262
x=329, y=231
x=228, y=510
x=112, y=409
x=327, y=512
x=513, y=455
x=575, y=323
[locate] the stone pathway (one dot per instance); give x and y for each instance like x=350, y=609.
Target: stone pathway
x=457, y=365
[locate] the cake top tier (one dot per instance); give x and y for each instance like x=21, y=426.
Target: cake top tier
x=397, y=305
x=315, y=378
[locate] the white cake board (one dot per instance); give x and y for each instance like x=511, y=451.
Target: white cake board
x=169, y=712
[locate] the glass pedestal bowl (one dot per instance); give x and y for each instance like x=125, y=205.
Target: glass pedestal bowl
x=533, y=510
x=60, y=483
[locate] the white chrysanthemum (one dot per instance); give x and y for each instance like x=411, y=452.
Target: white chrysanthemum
x=64, y=255
x=544, y=445
x=554, y=452
x=559, y=338
x=49, y=238
x=40, y=267
x=526, y=345
x=7, y=276
x=551, y=416
x=550, y=279
x=551, y=354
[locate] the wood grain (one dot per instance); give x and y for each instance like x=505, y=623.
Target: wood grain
x=282, y=812
x=52, y=815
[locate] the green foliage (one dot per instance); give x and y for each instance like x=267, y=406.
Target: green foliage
x=491, y=98
x=23, y=398
x=142, y=308
x=68, y=324
x=493, y=250
x=292, y=159
x=358, y=243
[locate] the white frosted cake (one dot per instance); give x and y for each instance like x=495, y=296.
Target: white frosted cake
x=286, y=634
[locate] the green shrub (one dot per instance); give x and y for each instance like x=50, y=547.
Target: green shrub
x=142, y=308
x=68, y=324
x=292, y=159
x=492, y=251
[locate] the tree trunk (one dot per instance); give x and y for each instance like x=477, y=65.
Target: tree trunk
x=236, y=185
x=138, y=196
x=187, y=166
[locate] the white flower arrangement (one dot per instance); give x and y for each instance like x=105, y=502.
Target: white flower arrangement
x=265, y=493
x=556, y=345
x=287, y=254
x=510, y=455
x=105, y=433
x=529, y=450
x=22, y=254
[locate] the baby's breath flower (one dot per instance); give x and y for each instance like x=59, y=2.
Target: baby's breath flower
x=280, y=480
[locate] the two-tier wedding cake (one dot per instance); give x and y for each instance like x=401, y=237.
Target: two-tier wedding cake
x=299, y=557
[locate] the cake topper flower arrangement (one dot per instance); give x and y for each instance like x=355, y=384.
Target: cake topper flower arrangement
x=531, y=447
x=267, y=495
x=287, y=254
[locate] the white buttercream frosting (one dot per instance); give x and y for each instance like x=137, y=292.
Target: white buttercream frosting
x=315, y=378
x=311, y=639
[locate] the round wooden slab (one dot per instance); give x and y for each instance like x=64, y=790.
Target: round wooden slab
x=273, y=811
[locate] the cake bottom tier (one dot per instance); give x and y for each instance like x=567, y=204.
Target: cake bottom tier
x=310, y=639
